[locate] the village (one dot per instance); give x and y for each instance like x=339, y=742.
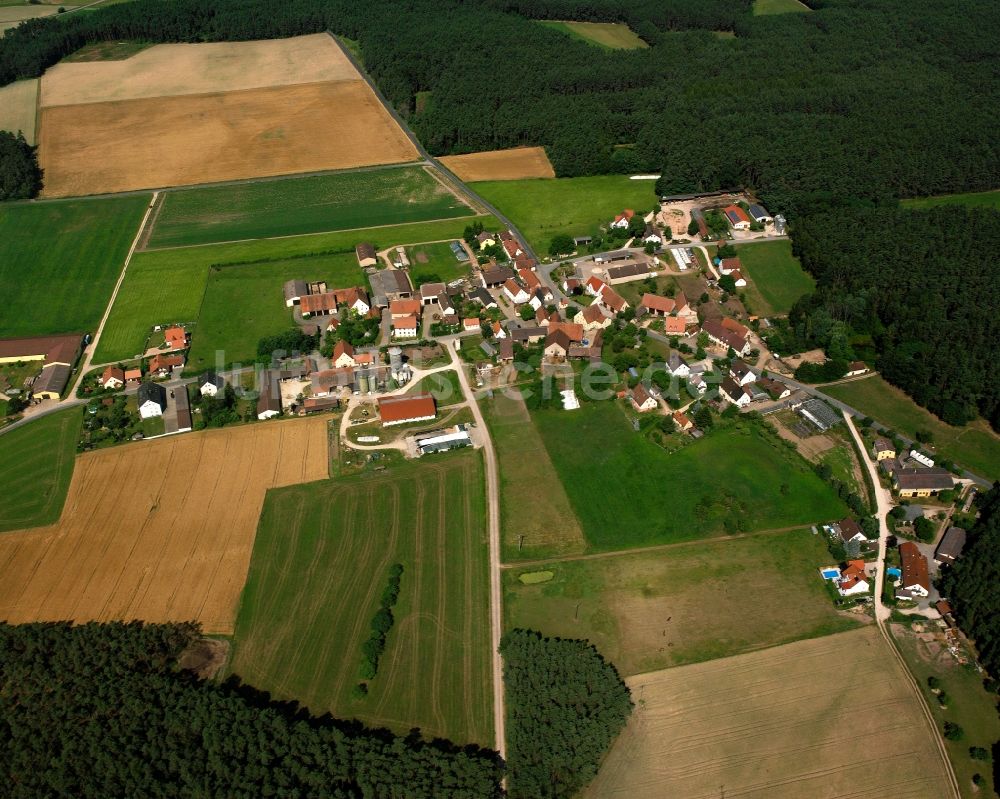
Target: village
x=657, y=321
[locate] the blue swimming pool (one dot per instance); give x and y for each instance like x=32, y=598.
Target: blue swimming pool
x=893, y=572
x=830, y=574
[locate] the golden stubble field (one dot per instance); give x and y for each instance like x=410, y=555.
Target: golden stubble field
x=175, y=115
x=18, y=107
x=516, y=164
x=829, y=717
x=159, y=531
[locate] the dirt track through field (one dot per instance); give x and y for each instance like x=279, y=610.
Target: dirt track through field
x=516, y=164
x=172, y=70
x=174, y=141
x=161, y=530
x=829, y=717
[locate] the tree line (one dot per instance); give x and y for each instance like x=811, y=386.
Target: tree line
x=101, y=710
x=972, y=584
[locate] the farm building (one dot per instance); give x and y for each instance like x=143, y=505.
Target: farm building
x=343, y=355
x=917, y=481
x=951, y=546
x=737, y=217
x=506, y=350
x=52, y=381
x=722, y=335
x=406, y=409
x=319, y=304
x=401, y=308
x=366, y=254
x=637, y=271
x=528, y=335
x=591, y=351
x=429, y=292
x=819, y=414
x=152, y=400
x=269, y=401
x=388, y=285
x=915, y=581
x=611, y=301
x=210, y=384
x=442, y=441
x=779, y=224
x=613, y=257
x=294, y=291
x=494, y=277
x=883, y=449
x=759, y=213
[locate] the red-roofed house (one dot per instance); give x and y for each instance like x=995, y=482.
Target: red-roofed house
x=405, y=409
x=163, y=365
x=674, y=326
x=729, y=265
x=915, y=580
x=471, y=323
x=176, y=338
x=404, y=308
x=655, y=305
x=612, y=301
x=682, y=422
x=112, y=378
x=343, y=355
x=322, y=304
x=405, y=327
x=594, y=286
x=738, y=280
x=530, y=279
x=852, y=580
x=621, y=221
x=498, y=331
x=515, y=292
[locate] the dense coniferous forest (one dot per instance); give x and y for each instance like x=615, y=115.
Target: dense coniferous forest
x=973, y=583
x=918, y=286
x=565, y=706
x=101, y=711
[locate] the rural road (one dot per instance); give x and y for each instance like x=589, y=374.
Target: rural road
x=92, y=348
x=883, y=504
x=496, y=597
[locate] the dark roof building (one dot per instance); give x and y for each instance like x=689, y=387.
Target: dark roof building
x=951, y=546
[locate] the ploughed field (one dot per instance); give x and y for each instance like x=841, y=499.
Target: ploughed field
x=159, y=530
x=832, y=717
x=184, y=114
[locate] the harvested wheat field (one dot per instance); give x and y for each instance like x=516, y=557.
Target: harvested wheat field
x=161, y=530
x=830, y=717
x=515, y=164
x=18, y=105
x=176, y=141
x=171, y=70
x=183, y=114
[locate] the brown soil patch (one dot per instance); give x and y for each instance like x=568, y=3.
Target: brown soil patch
x=170, y=70
x=160, y=531
x=18, y=108
x=804, y=719
x=516, y=164
x=174, y=141
x=205, y=657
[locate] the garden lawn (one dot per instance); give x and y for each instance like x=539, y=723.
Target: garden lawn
x=435, y=263
x=245, y=303
x=542, y=208
x=775, y=278
x=689, y=603
x=36, y=464
x=979, y=199
x=607, y=35
x=974, y=446
x=168, y=285
x=320, y=563
x=69, y=253
x=293, y=206
x=629, y=492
